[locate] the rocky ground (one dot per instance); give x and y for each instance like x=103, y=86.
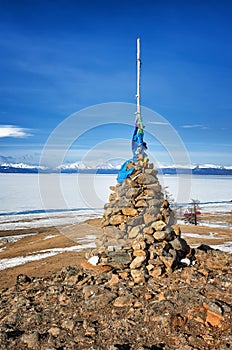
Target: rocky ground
x=148, y=284
x=61, y=305
x=94, y=308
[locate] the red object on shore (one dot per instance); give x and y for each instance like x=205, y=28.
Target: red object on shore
x=190, y=214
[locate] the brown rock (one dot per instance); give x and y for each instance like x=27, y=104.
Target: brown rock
x=129, y=211
x=177, y=230
x=155, y=271
x=148, y=230
x=150, y=267
x=158, y=225
x=145, y=179
x=160, y=217
x=159, y=235
x=102, y=300
x=135, y=221
x=123, y=301
x=154, y=203
x=98, y=268
x=148, y=218
x=149, y=238
x=112, y=243
x=32, y=340
x=68, y=324
x=133, y=192
x=123, y=274
x=178, y=321
x=148, y=193
x=180, y=244
x=112, y=197
x=151, y=172
x=104, y=222
x=114, y=279
x=88, y=291
x=214, y=319
x=122, y=226
x=133, y=233
x=155, y=186
x=111, y=231
x=64, y=299
x=165, y=204
x=55, y=331
x=139, y=252
x=138, y=244
x=168, y=260
x=137, y=262
x=117, y=219
x=170, y=220
x=137, y=276
x=148, y=296
x=141, y=203
x=120, y=257
x=90, y=331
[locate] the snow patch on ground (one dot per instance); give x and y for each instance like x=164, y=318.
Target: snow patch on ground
x=196, y=235
x=12, y=239
x=16, y=222
x=21, y=260
x=226, y=247
x=49, y=237
x=88, y=238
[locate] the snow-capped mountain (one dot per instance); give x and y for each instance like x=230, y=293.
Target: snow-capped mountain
x=113, y=167
x=90, y=166
x=20, y=168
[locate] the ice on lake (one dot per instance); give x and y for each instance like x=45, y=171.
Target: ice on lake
x=29, y=200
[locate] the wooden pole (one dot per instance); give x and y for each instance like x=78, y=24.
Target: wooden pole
x=138, y=95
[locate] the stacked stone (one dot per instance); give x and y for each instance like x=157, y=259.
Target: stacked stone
x=138, y=238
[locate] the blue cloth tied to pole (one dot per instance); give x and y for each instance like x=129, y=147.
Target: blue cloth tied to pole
x=124, y=172
x=138, y=149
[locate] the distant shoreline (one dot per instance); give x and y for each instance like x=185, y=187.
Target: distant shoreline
x=161, y=171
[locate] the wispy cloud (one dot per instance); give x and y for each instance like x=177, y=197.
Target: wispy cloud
x=13, y=131
x=158, y=123
x=194, y=126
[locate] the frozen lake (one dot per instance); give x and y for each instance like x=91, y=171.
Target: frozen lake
x=31, y=200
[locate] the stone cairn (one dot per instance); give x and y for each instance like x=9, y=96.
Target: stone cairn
x=139, y=238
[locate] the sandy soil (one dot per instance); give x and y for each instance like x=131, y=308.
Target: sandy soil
x=78, y=235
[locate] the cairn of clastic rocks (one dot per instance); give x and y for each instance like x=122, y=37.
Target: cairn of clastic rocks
x=139, y=238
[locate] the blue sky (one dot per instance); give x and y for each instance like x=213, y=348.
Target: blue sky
x=58, y=57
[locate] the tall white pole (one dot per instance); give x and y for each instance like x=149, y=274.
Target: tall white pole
x=138, y=95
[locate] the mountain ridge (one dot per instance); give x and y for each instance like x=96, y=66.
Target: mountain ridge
x=108, y=168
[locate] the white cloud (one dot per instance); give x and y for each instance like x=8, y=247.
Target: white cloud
x=158, y=123
x=192, y=126
x=13, y=131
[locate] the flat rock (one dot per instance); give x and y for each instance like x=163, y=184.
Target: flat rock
x=148, y=218
x=117, y=219
x=129, y=211
x=160, y=235
x=137, y=262
x=180, y=244
x=133, y=233
x=123, y=301
x=135, y=221
x=158, y=225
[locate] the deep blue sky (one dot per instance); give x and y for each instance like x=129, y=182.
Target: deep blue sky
x=57, y=57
